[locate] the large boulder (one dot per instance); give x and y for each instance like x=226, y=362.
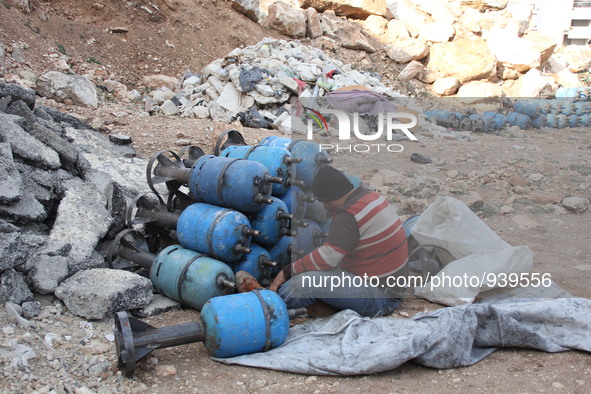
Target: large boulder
x=347, y=33
x=250, y=8
x=99, y=293
x=533, y=83
x=60, y=87
x=446, y=86
x=437, y=32
x=356, y=9
x=287, y=20
x=544, y=45
x=395, y=31
x=313, y=23
x=567, y=79
x=413, y=18
x=156, y=81
x=467, y=59
x=513, y=52
x=404, y=51
x=479, y=89
x=578, y=58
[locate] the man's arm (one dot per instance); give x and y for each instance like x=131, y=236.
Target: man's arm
x=343, y=237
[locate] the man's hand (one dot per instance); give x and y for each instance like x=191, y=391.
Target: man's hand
x=279, y=280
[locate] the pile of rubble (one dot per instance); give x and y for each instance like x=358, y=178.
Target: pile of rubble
x=267, y=76
x=469, y=48
x=63, y=195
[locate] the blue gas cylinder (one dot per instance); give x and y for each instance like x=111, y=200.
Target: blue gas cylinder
x=272, y=221
x=478, y=123
x=190, y=277
x=530, y=108
x=539, y=121
x=310, y=238
x=584, y=120
x=284, y=252
x=312, y=156
x=219, y=232
x=258, y=263
x=277, y=160
x=316, y=212
x=582, y=108
x=295, y=199
x=573, y=121
x=409, y=224
x=500, y=122
x=354, y=179
x=520, y=120
x=244, y=323
x=234, y=183
x=568, y=107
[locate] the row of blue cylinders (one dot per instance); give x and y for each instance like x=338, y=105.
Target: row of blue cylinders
x=527, y=114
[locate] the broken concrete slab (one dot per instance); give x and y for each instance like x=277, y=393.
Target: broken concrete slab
x=13, y=288
x=25, y=146
x=26, y=210
x=48, y=272
x=99, y=293
x=82, y=220
x=11, y=183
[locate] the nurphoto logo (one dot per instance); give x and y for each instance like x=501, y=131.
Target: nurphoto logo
x=386, y=125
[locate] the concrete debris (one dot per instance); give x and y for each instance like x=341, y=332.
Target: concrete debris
x=98, y=293
x=63, y=187
x=61, y=87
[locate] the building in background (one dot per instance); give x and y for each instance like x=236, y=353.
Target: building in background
x=566, y=21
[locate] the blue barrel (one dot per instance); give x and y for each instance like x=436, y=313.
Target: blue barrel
x=244, y=323
x=281, y=252
x=258, y=263
x=277, y=161
x=354, y=179
x=189, y=277
x=539, y=121
x=520, y=120
x=316, y=212
x=500, y=122
x=478, y=123
x=270, y=221
x=325, y=225
x=567, y=92
x=313, y=158
x=555, y=107
x=409, y=224
x=214, y=231
x=529, y=108
x=295, y=199
x=582, y=108
x=309, y=238
x=568, y=107
x=233, y=183
x=573, y=121
x=556, y=121
x=448, y=119
x=544, y=105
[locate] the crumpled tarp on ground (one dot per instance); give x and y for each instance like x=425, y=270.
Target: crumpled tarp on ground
x=348, y=344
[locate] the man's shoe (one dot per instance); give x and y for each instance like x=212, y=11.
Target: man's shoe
x=245, y=282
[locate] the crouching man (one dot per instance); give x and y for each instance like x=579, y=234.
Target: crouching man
x=356, y=268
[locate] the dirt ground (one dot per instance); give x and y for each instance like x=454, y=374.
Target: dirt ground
x=489, y=165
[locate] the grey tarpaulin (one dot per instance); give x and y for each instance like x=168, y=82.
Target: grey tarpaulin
x=348, y=344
